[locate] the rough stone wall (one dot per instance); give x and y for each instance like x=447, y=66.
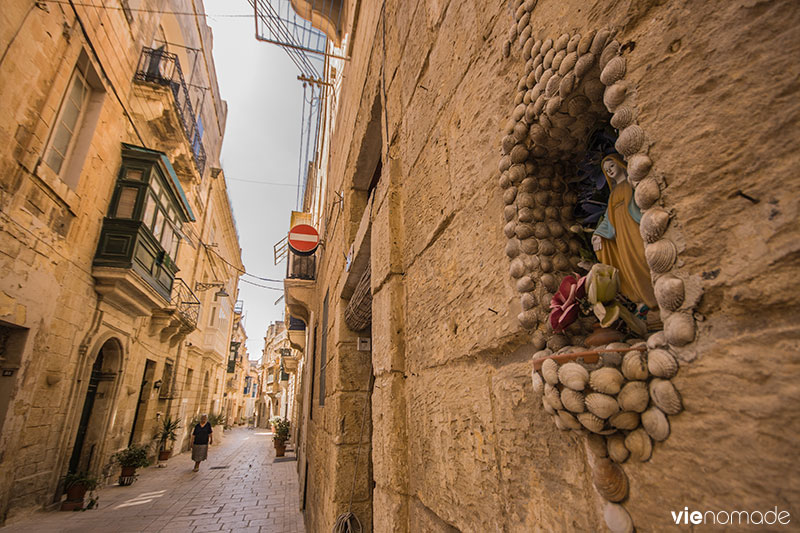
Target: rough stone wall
x=460, y=441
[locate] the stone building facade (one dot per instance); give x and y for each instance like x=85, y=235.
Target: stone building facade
x=117, y=237
x=448, y=126
x=278, y=373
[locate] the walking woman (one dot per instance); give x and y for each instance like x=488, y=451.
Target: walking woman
x=201, y=438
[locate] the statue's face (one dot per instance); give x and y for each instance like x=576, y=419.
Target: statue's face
x=613, y=170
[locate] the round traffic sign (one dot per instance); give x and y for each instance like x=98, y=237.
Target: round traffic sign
x=303, y=239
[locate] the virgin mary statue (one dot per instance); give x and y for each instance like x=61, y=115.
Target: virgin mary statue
x=617, y=241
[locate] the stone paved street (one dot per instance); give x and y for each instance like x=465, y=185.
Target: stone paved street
x=250, y=493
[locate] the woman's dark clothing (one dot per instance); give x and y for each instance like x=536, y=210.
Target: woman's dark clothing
x=201, y=433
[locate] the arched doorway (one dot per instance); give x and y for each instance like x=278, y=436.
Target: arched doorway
x=91, y=430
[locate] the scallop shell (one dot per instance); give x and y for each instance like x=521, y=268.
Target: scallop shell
x=596, y=445
x=518, y=112
x=633, y=397
x=617, y=518
x=528, y=301
x=516, y=173
x=529, y=246
x=657, y=340
x=538, y=134
x=525, y=284
x=599, y=41
x=568, y=63
x=550, y=371
x=567, y=85
x=561, y=42
x=679, y=329
x=559, y=57
x=569, y=420
x=661, y=364
x=614, y=96
x=623, y=117
x=655, y=423
x=627, y=420
x=573, y=400
x=661, y=255
x=665, y=396
x=522, y=231
x=552, y=397
x=586, y=42
x=583, y=65
x=591, y=422
x=601, y=405
x=509, y=211
x=528, y=319
x=547, y=409
x=634, y=366
x=548, y=280
x=670, y=292
x=538, y=382
x=526, y=32
x=653, y=224
x=615, y=446
x=638, y=167
x=504, y=164
x=548, y=59
x=573, y=375
x=609, y=52
x=610, y=480
x=546, y=46
x=519, y=154
x=512, y=248
x=630, y=141
x=517, y=268
x=647, y=193
x=606, y=380
x=639, y=444
x=552, y=105
x=613, y=71
x=552, y=85
x=572, y=45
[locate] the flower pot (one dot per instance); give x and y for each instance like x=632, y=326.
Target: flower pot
x=127, y=476
x=280, y=448
x=76, y=492
x=163, y=455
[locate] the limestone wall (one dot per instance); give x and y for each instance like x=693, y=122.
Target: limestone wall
x=459, y=439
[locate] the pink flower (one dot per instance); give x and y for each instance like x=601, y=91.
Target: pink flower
x=564, y=305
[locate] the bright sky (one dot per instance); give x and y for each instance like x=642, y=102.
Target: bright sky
x=262, y=140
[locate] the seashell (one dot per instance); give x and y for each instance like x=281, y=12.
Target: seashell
x=559, y=424
x=517, y=173
x=519, y=154
x=508, y=143
x=633, y=397
x=525, y=32
x=556, y=228
x=528, y=301
x=584, y=64
x=550, y=371
x=596, y=445
x=634, y=366
x=548, y=280
x=529, y=184
x=529, y=5
x=538, y=382
x=591, y=422
x=556, y=342
x=606, y=380
x=646, y=193
x=552, y=85
x=630, y=141
x=530, y=114
x=613, y=71
x=586, y=42
x=546, y=46
x=538, y=134
x=567, y=85
x=569, y=420
x=538, y=72
x=657, y=340
x=610, y=480
x=552, y=397
x=653, y=224
x=526, y=49
x=529, y=246
x=552, y=105
x=522, y=231
x=509, y=195
x=525, y=284
x=559, y=57
x=573, y=375
x=525, y=214
x=512, y=248
x=506, y=49
x=505, y=163
x=599, y=41
x=609, y=52
x=509, y=230
x=548, y=59
x=520, y=11
x=623, y=117
x=614, y=96
x=572, y=45
x=561, y=42
x=601, y=405
x=638, y=167
x=546, y=247
x=594, y=90
x=679, y=329
x=518, y=112
x=539, y=107
x=561, y=263
x=517, y=268
x=617, y=518
x=615, y=446
x=568, y=63
x=547, y=409
x=528, y=319
x=509, y=211
x=531, y=262
x=661, y=255
x=505, y=183
x=627, y=420
x=577, y=105
x=573, y=400
x=655, y=423
x=665, y=396
x=639, y=444
x=661, y=364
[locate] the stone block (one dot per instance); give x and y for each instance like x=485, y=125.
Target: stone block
x=390, y=433
x=388, y=327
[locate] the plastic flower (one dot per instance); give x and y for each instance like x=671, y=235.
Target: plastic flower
x=564, y=305
x=602, y=283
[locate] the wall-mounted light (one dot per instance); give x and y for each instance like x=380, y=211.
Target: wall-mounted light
x=200, y=286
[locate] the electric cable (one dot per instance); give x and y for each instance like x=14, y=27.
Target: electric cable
x=145, y=10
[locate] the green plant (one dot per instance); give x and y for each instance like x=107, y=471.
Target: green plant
x=216, y=419
x=88, y=481
x=134, y=456
x=168, y=431
x=281, y=428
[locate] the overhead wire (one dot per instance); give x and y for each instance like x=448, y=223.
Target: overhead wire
x=146, y=10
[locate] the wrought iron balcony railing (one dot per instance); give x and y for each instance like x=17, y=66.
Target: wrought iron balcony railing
x=163, y=68
x=301, y=267
x=185, y=302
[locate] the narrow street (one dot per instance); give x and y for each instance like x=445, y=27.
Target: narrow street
x=240, y=488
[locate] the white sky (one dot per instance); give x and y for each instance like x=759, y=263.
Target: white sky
x=262, y=140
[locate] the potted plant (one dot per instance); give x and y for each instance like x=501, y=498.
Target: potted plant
x=281, y=435
x=167, y=432
x=76, y=484
x=129, y=459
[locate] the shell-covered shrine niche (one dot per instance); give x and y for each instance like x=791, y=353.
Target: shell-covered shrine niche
x=618, y=391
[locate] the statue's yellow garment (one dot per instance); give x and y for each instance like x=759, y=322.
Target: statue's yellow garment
x=626, y=250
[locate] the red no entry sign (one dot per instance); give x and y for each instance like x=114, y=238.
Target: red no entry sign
x=303, y=239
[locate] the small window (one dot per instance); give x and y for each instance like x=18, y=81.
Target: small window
x=189, y=375
x=135, y=174
x=159, y=227
x=149, y=211
x=127, y=202
x=72, y=108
